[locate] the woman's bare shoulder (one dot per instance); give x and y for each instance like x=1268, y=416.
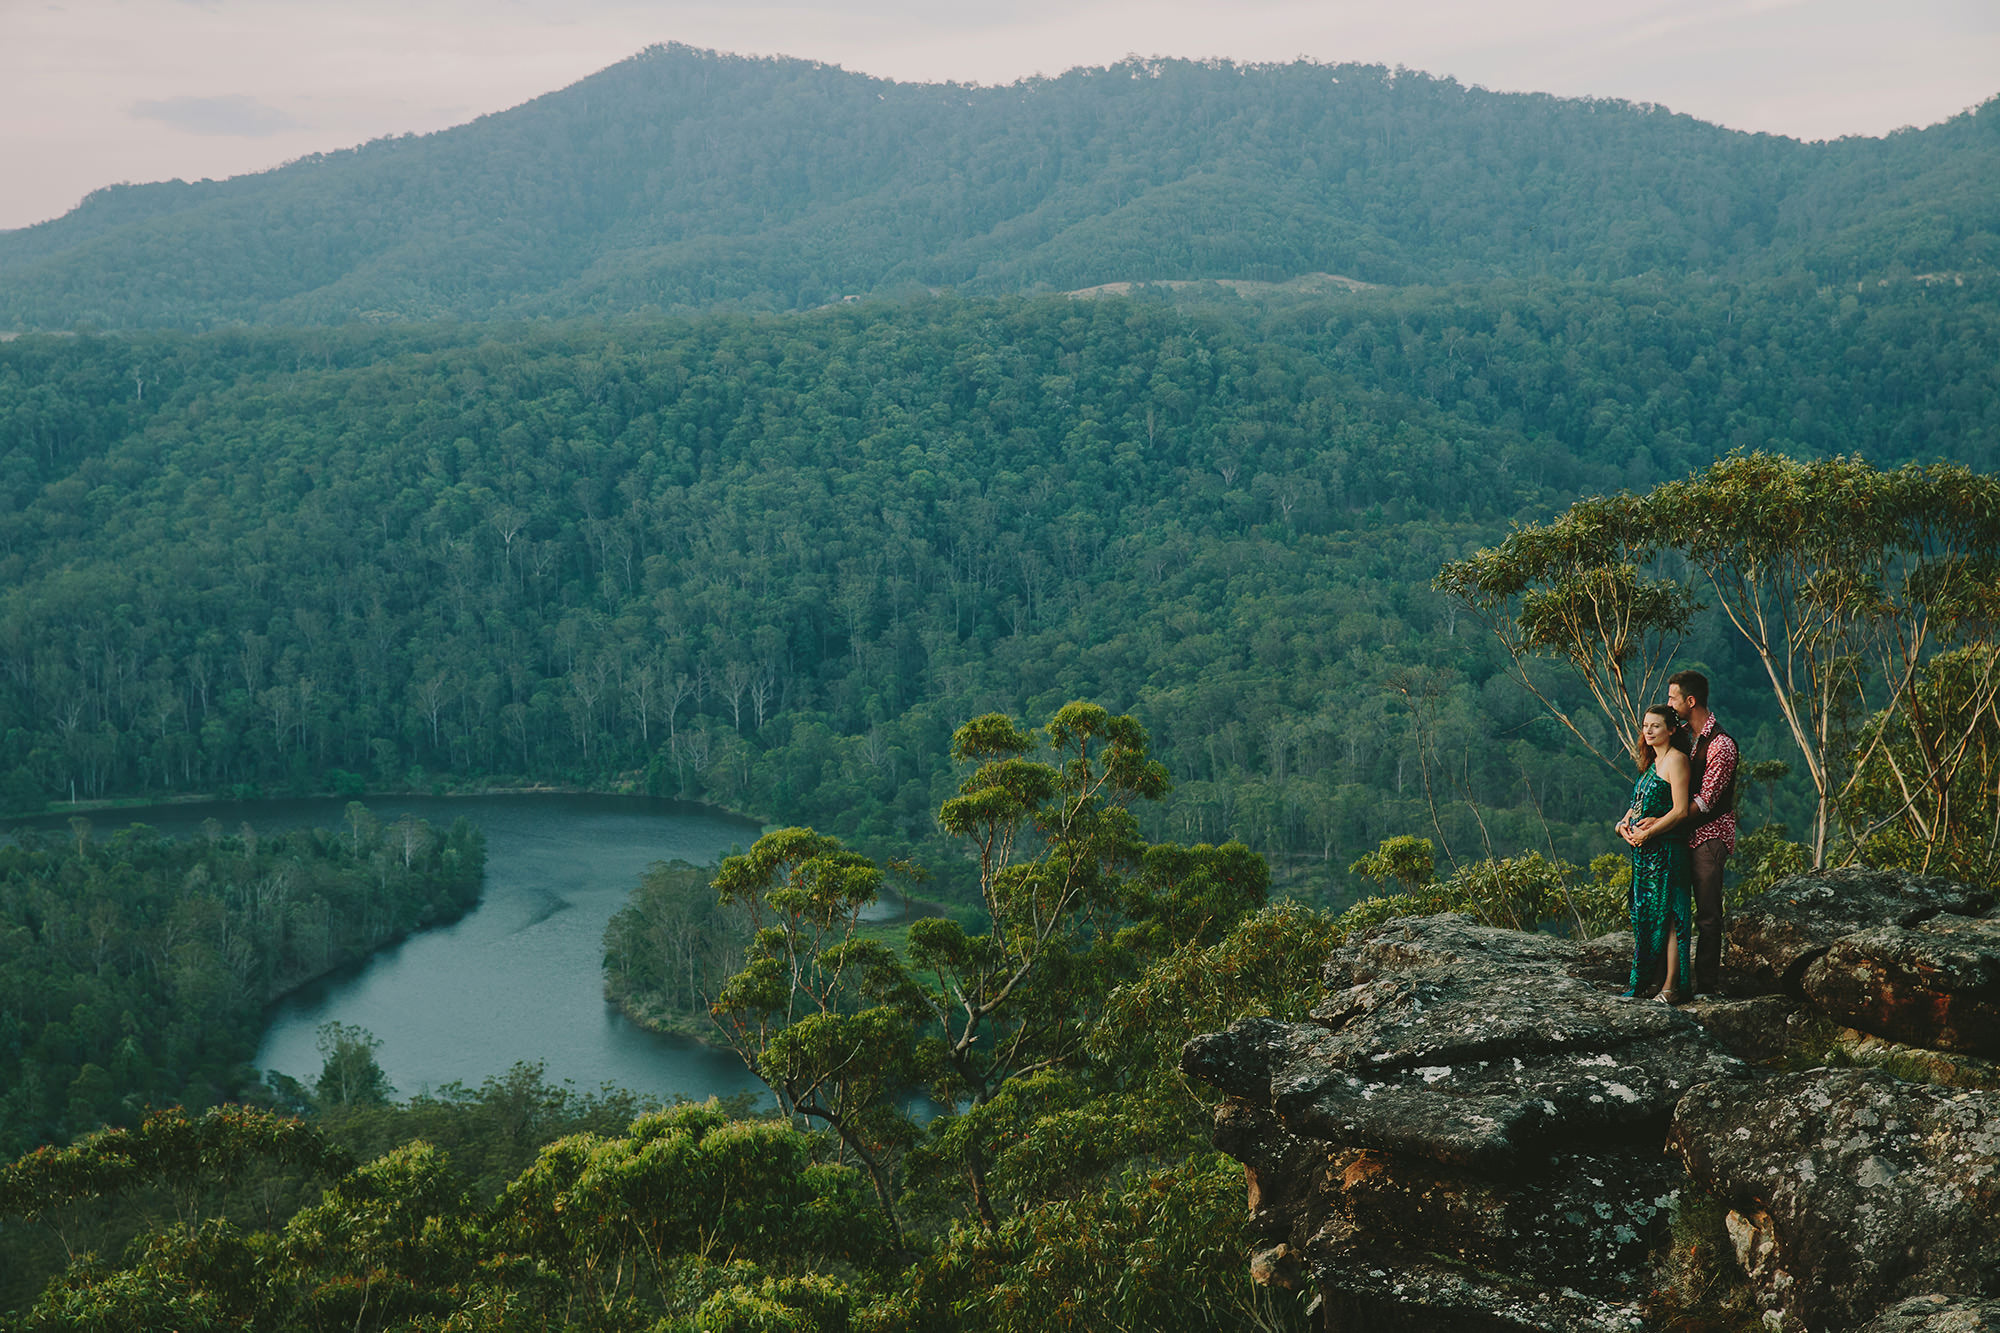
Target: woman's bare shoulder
x=1672, y=762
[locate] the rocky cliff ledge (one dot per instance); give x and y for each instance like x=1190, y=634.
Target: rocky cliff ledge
x=1474, y=1133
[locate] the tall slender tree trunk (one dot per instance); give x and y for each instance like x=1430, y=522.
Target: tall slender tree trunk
x=982, y=1199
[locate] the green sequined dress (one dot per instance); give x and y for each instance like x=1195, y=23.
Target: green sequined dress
x=1662, y=894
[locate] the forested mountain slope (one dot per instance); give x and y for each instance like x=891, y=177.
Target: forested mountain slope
x=773, y=560
x=136, y=971
x=684, y=178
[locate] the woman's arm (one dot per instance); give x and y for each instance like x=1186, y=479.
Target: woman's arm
x=1674, y=767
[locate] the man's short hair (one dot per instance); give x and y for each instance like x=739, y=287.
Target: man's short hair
x=1693, y=685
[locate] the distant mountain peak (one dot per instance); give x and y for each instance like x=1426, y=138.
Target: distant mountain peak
x=685, y=178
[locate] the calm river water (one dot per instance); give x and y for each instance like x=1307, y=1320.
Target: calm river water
x=519, y=977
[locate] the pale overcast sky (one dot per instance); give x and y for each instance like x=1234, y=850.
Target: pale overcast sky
x=98, y=91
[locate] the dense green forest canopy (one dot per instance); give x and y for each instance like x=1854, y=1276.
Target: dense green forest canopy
x=770, y=561
x=1067, y=1184
x=683, y=178
x=134, y=970
x=1083, y=1145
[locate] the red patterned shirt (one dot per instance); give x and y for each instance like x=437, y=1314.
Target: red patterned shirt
x=1718, y=767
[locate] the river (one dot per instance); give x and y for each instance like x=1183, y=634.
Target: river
x=519, y=977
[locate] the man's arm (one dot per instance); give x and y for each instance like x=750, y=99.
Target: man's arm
x=1716, y=772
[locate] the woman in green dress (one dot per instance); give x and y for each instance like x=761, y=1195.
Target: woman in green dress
x=1662, y=875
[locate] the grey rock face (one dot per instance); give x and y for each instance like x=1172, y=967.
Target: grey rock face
x=1467, y=1134
x=1426, y=943
x=1587, y=1221
x=1917, y=1064
x=1466, y=1045
x=1851, y=1189
x=1774, y=940
x=1762, y=1029
x=1939, y=1314
x=1461, y=1107
x=1936, y=983
x=1429, y=1295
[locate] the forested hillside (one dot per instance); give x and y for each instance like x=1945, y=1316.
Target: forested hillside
x=771, y=561
x=134, y=971
x=682, y=178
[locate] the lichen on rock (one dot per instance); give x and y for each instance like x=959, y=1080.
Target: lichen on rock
x=1465, y=1118
x=1774, y=941
x=1934, y=984
x=1937, y=1313
x=1851, y=1188
x=1474, y=1132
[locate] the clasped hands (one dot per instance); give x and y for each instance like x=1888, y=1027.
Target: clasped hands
x=1636, y=832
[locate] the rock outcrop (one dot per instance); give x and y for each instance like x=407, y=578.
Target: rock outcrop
x=1782, y=933
x=1936, y=983
x=1465, y=1128
x=1938, y=1314
x=1918, y=1064
x=1850, y=1188
x=1474, y=1132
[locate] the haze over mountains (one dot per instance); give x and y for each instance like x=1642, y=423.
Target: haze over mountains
x=683, y=178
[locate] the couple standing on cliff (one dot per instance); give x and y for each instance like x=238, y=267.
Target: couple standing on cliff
x=1682, y=828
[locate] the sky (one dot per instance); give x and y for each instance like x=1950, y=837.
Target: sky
x=94, y=92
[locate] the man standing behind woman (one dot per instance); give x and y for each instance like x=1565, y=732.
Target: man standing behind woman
x=1712, y=826
x=1655, y=827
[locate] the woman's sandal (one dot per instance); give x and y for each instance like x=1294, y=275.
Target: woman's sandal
x=1667, y=996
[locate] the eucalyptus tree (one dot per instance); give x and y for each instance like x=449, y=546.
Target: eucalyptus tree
x=1016, y=997
x=1595, y=589
x=812, y=1011
x=1846, y=581
x=1072, y=900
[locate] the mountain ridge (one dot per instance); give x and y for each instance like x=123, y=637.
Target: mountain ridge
x=683, y=179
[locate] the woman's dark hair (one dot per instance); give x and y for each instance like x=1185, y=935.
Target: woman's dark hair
x=1677, y=735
